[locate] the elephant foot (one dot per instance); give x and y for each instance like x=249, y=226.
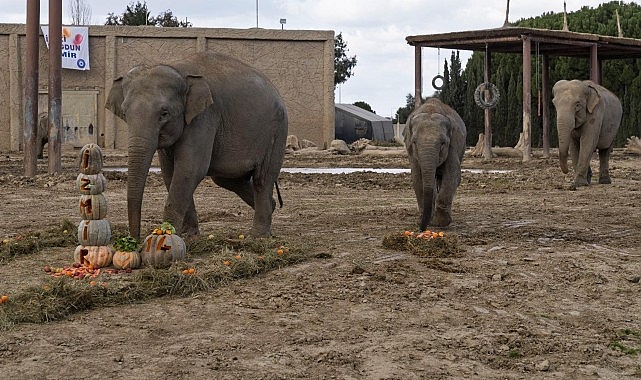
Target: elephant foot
x=605, y=180
x=260, y=233
x=441, y=219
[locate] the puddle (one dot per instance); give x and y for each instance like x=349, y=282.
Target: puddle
x=337, y=170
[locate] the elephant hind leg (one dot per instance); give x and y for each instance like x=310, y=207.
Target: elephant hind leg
x=604, y=166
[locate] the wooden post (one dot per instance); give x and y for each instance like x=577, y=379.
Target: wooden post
x=527, y=98
x=418, y=76
x=55, y=86
x=545, y=104
x=487, y=147
x=31, y=89
x=595, y=67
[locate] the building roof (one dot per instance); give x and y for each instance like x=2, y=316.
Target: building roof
x=551, y=42
x=362, y=113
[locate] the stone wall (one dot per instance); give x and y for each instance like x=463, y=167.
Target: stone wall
x=300, y=63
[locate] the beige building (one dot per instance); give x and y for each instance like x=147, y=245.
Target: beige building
x=300, y=63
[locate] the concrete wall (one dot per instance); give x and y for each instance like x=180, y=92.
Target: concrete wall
x=299, y=63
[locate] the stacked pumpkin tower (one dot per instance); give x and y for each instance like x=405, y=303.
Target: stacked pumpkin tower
x=94, y=231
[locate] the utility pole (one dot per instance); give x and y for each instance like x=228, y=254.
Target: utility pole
x=31, y=89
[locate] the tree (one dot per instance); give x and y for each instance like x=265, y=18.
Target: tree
x=343, y=65
x=403, y=112
x=364, y=106
x=167, y=19
x=80, y=12
x=138, y=14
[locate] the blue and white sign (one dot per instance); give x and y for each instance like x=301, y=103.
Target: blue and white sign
x=75, y=46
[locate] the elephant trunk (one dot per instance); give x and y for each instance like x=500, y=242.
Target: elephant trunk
x=141, y=153
x=429, y=162
x=564, y=126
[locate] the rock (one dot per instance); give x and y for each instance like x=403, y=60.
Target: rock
x=543, y=366
x=292, y=143
x=497, y=277
x=339, y=146
x=307, y=144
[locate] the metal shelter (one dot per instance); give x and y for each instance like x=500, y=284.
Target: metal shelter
x=526, y=41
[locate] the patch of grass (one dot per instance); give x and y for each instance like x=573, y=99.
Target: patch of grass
x=514, y=354
x=444, y=246
x=62, y=235
x=216, y=261
x=628, y=341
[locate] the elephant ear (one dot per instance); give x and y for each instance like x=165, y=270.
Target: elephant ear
x=593, y=98
x=199, y=97
x=115, y=99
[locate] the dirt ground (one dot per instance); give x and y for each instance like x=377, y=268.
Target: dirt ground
x=546, y=285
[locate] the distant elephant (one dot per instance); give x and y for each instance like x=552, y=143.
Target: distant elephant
x=207, y=115
x=588, y=118
x=434, y=137
x=43, y=133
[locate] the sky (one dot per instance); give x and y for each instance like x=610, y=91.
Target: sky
x=374, y=31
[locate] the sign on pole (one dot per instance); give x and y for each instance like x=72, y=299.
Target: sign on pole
x=75, y=46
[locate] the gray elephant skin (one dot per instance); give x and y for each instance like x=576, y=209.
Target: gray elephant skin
x=434, y=138
x=588, y=118
x=207, y=115
x=43, y=133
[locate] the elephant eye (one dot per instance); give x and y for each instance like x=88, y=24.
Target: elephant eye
x=164, y=115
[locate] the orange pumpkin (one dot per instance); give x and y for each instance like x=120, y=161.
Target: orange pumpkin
x=93, y=207
x=93, y=256
x=91, y=183
x=90, y=159
x=126, y=259
x=94, y=232
x=159, y=251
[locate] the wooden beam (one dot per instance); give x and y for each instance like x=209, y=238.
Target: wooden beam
x=527, y=98
x=545, y=104
x=487, y=148
x=55, y=86
x=30, y=163
x=418, y=77
x=595, y=69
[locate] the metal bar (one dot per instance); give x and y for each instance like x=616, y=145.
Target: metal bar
x=31, y=89
x=55, y=86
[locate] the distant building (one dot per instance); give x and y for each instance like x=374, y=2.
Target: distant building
x=353, y=123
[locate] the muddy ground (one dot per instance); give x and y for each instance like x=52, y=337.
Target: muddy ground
x=545, y=286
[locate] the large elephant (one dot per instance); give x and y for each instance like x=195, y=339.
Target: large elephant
x=434, y=137
x=587, y=118
x=207, y=115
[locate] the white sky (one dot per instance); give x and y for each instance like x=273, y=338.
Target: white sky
x=374, y=31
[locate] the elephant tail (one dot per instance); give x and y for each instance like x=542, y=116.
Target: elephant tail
x=280, y=199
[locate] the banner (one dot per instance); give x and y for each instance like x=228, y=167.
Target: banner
x=75, y=46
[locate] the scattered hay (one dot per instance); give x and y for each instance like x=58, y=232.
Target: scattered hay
x=425, y=247
x=215, y=261
x=62, y=235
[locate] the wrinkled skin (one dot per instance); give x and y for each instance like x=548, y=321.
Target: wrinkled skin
x=588, y=118
x=208, y=115
x=43, y=133
x=435, y=141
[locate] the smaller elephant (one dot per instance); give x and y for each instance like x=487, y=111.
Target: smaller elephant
x=43, y=133
x=588, y=117
x=434, y=138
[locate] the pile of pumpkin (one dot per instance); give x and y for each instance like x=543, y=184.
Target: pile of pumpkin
x=424, y=243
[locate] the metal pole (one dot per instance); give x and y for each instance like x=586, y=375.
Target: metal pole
x=55, y=85
x=31, y=89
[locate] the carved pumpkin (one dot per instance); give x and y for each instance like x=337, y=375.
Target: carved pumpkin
x=93, y=207
x=159, y=251
x=126, y=259
x=94, y=232
x=93, y=256
x=90, y=159
x=90, y=184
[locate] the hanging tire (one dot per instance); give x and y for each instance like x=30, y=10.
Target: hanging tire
x=437, y=87
x=479, y=95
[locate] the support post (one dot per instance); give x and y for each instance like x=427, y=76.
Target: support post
x=31, y=89
x=545, y=104
x=55, y=86
x=487, y=145
x=595, y=67
x=527, y=98
x=418, y=76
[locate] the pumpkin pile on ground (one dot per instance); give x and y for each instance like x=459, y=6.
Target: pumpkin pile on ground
x=162, y=247
x=427, y=243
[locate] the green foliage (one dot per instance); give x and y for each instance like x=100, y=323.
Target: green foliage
x=364, y=106
x=138, y=14
x=127, y=244
x=623, y=77
x=343, y=65
x=403, y=112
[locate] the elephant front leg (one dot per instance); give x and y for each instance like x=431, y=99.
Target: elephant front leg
x=443, y=211
x=604, y=166
x=180, y=210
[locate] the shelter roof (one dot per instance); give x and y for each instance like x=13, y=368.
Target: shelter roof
x=360, y=112
x=551, y=42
